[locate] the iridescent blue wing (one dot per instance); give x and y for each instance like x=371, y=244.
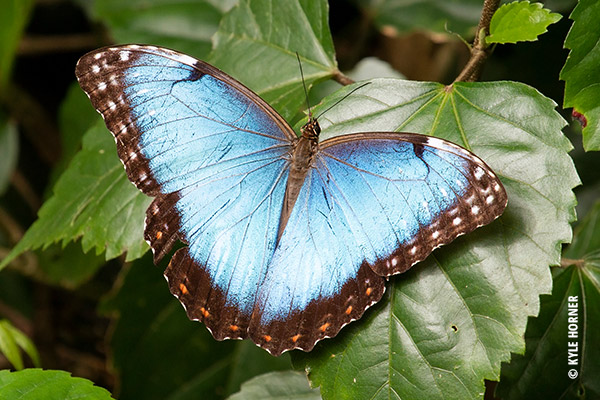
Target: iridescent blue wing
x=215, y=157
x=371, y=202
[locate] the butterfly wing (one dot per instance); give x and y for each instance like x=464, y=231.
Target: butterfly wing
x=373, y=205
x=215, y=157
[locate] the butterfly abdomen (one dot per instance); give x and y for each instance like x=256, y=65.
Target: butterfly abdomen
x=303, y=154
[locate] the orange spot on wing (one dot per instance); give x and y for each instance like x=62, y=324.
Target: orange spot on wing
x=267, y=338
x=183, y=288
x=369, y=291
x=348, y=310
x=234, y=328
x=295, y=338
x=324, y=327
x=158, y=235
x=204, y=312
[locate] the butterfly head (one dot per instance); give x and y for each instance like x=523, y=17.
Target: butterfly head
x=311, y=129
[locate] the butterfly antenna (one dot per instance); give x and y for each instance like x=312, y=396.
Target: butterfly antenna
x=342, y=99
x=304, y=85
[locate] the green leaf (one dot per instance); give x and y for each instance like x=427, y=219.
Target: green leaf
x=185, y=25
x=8, y=345
x=37, y=384
x=93, y=200
x=256, y=34
x=9, y=151
x=448, y=323
x=11, y=339
x=13, y=18
x=520, y=21
x=460, y=16
x=154, y=338
x=277, y=385
x=571, y=315
x=75, y=118
x=581, y=72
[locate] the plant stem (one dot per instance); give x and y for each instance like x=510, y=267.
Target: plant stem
x=342, y=79
x=567, y=262
x=479, y=52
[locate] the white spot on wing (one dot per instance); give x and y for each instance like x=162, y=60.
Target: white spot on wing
x=435, y=142
x=102, y=86
x=489, y=199
x=124, y=55
x=479, y=173
x=457, y=221
x=475, y=210
x=185, y=59
x=95, y=69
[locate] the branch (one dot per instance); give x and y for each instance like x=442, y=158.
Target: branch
x=342, y=79
x=567, y=262
x=479, y=51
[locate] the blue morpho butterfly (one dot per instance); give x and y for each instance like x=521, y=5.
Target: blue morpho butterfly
x=288, y=238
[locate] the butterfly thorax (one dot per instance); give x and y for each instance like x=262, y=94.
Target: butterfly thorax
x=303, y=153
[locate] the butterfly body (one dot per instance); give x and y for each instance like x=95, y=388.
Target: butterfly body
x=288, y=238
x=304, y=150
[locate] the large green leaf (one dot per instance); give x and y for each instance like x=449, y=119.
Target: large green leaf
x=257, y=43
x=185, y=25
x=581, y=72
x=12, y=341
x=93, y=200
x=459, y=16
x=562, y=343
x=287, y=385
x=446, y=325
x=159, y=353
x=520, y=21
x=37, y=384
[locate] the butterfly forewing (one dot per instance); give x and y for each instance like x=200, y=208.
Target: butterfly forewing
x=408, y=194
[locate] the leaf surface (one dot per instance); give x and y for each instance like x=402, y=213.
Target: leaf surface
x=562, y=354
x=581, y=72
x=520, y=21
x=448, y=323
x=37, y=384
